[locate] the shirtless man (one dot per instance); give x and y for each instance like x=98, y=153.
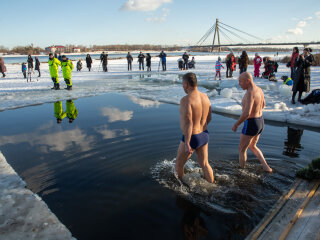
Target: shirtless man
x=252, y=104
x=195, y=115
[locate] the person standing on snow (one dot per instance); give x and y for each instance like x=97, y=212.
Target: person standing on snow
x=257, y=63
x=89, y=62
x=105, y=63
x=148, y=60
x=141, y=58
x=102, y=57
x=24, y=70
x=231, y=64
x=79, y=65
x=3, y=68
x=37, y=67
x=54, y=64
x=243, y=62
x=129, y=60
x=67, y=67
x=291, y=64
x=185, y=58
x=30, y=65
x=163, y=58
x=218, y=69
x=71, y=111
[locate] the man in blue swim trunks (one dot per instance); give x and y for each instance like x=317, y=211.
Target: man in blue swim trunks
x=252, y=105
x=195, y=115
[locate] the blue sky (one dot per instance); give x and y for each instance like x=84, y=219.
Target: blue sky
x=183, y=22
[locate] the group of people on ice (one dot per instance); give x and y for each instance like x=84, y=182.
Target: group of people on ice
x=184, y=63
x=66, y=67
x=27, y=71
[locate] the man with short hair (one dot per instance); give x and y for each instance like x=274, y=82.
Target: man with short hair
x=163, y=57
x=195, y=115
x=141, y=58
x=129, y=60
x=252, y=105
x=54, y=64
x=185, y=58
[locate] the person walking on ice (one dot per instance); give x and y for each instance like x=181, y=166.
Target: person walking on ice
x=218, y=68
x=252, y=105
x=195, y=115
x=53, y=68
x=67, y=67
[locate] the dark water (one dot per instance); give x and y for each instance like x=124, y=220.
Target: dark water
x=108, y=175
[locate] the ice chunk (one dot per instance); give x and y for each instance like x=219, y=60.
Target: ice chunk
x=226, y=92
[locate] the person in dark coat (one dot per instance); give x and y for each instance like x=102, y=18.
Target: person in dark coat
x=141, y=58
x=60, y=57
x=37, y=67
x=243, y=62
x=79, y=65
x=3, y=68
x=185, y=58
x=89, y=62
x=163, y=57
x=30, y=64
x=148, y=60
x=129, y=60
x=105, y=63
x=102, y=57
x=291, y=64
x=301, y=80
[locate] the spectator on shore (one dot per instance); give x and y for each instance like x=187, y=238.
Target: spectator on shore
x=148, y=62
x=60, y=57
x=89, y=62
x=141, y=58
x=185, y=58
x=163, y=57
x=231, y=64
x=102, y=57
x=37, y=67
x=243, y=62
x=301, y=80
x=257, y=63
x=30, y=64
x=129, y=60
x=3, y=68
x=24, y=70
x=291, y=64
x=105, y=63
x=218, y=69
x=180, y=63
x=79, y=65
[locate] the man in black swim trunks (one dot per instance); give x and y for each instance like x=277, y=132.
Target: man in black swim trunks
x=252, y=105
x=195, y=115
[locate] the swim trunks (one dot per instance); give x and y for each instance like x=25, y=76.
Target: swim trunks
x=198, y=140
x=253, y=126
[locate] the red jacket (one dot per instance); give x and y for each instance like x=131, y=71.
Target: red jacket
x=294, y=56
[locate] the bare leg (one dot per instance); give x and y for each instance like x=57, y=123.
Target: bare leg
x=243, y=147
x=202, y=154
x=182, y=157
x=256, y=151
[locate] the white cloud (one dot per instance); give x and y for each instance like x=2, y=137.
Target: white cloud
x=143, y=5
x=309, y=18
x=317, y=14
x=295, y=31
x=301, y=24
x=162, y=18
x=144, y=102
x=109, y=134
x=114, y=114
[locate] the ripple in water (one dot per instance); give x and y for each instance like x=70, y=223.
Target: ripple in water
x=249, y=192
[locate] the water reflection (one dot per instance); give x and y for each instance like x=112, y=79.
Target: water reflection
x=292, y=146
x=115, y=114
x=71, y=111
x=192, y=224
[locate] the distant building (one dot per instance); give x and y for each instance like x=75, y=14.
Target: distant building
x=76, y=50
x=55, y=49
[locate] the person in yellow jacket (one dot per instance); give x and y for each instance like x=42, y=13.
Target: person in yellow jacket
x=72, y=112
x=54, y=67
x=58, y=111
x=67, y=67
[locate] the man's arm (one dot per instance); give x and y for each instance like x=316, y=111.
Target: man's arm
x=186, y=122
x=209, y=117
x=246, y=111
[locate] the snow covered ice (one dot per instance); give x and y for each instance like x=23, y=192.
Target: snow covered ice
x=161, y=86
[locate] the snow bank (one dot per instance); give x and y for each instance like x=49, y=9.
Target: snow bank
x=23, y=215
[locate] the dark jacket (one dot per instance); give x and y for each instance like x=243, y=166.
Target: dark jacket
x=37, y=67
x=243, y=61
x=30, y=62
x=105, y=60
x=148, y=60
x=102, y=56
x=89, y=61
x=2, y=67
x=141, y=57
x=129, y=58
x=163, y=57
x=185, y=57
x=301, y=81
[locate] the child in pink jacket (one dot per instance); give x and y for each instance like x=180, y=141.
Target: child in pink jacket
x=257, y=63
x=218, y=68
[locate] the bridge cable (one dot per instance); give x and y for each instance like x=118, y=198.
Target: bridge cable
x=226, y=36
x=242, y=38
x=242, y=32
x=206, y=35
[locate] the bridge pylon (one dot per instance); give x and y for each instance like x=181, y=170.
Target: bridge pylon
x=216, y=33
